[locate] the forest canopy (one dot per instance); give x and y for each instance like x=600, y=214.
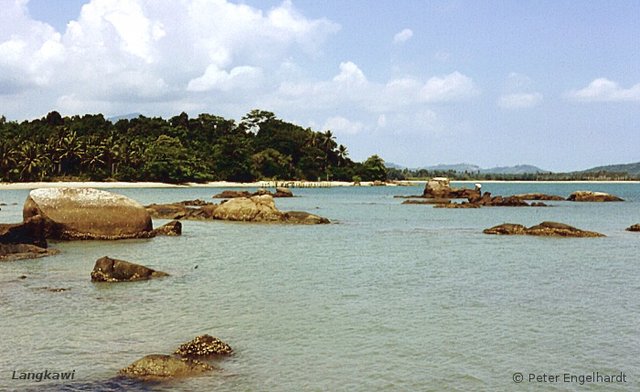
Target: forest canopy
x=179, y=149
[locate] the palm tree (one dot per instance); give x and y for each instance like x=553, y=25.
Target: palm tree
x=34, y=161
x=342, y=154
x=70, y=151
x=8, y=160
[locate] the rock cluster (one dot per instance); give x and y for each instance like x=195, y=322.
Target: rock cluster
x=440, y=188
x=548, y=229
x=183, y=362
x=244, y=209
x=204, y=346
x=107, y=269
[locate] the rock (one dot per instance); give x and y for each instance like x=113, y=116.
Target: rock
x=204, y=346
x=426, y=201
x=253, y=209
x=538, y=196
x=506, y=229
x=31, y=231
x=158, y=367
x=179, y=210
x=173, y=228
x=231, y=194
x=439, y=188
x=112, y=270
x=635, y=227
x=86, y=213
x=592, y=196
x=464, y=204
x=196, y=203
x=548, y=229
x=11, y=252
x=305, y=218
x=283, y=192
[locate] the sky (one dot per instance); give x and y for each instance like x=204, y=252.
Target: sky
x=553, y=83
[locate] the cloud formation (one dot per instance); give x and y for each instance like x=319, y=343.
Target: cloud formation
x=402, y=36
x=605, y=90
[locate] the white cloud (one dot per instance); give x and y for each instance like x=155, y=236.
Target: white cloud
x=218, y=79
x=452, y=87
x=520, y=100
x=402, y=36
x=128, y=51
x=342, y=125
x=350, y=74
x=605, y=90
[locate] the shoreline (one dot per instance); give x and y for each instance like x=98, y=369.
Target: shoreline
x=263, y=184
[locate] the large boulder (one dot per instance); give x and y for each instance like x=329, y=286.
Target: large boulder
x=159, y=367
x=204, y=346
x=107, y=269
x=590, y=196
x=547, y=229
x=249, y=209
x=86, y=213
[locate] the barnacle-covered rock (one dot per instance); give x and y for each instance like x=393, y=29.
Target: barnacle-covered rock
x=204, y=346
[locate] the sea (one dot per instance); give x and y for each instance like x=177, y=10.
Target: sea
x=388, y=297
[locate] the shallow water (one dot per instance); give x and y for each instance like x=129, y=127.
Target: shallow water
x=390, y=297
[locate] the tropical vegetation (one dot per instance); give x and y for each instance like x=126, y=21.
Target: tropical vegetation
x=178, y=149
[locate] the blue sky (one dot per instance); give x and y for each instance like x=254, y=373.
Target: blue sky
x=550, y=83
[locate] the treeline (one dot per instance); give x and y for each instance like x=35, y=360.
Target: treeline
x=180, y=149
x=423, y=174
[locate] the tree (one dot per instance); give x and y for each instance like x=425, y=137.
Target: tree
x=374, y=169
x=8, y=159
x=270, y=163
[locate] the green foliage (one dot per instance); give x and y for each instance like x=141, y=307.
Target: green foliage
x=179, y=149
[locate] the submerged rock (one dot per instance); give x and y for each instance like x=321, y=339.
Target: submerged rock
x=172, y=229
x=305, y=218
x=548, y=229
x=86, y=213
x=107, y=269
x=179, y=210
x=590, y=196
x=159, y=367
x=11, y=252
x=283, y=192
x=231, y=194
x=204, y=346
x=635, y=227
x=538, y=196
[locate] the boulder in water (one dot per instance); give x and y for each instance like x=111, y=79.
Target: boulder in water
x=159, y=367
x=204, y=346
x=87, y=213
x=547, y=229
x=589, y=196
x=107, y=269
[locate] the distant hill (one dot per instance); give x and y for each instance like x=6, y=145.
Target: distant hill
x=630, y=168
x=457, y=167
x=470, y=168
x=391, y=165
x=129, y=116
x=518, y=169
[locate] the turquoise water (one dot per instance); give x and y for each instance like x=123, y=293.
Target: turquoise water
x=390, y=297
